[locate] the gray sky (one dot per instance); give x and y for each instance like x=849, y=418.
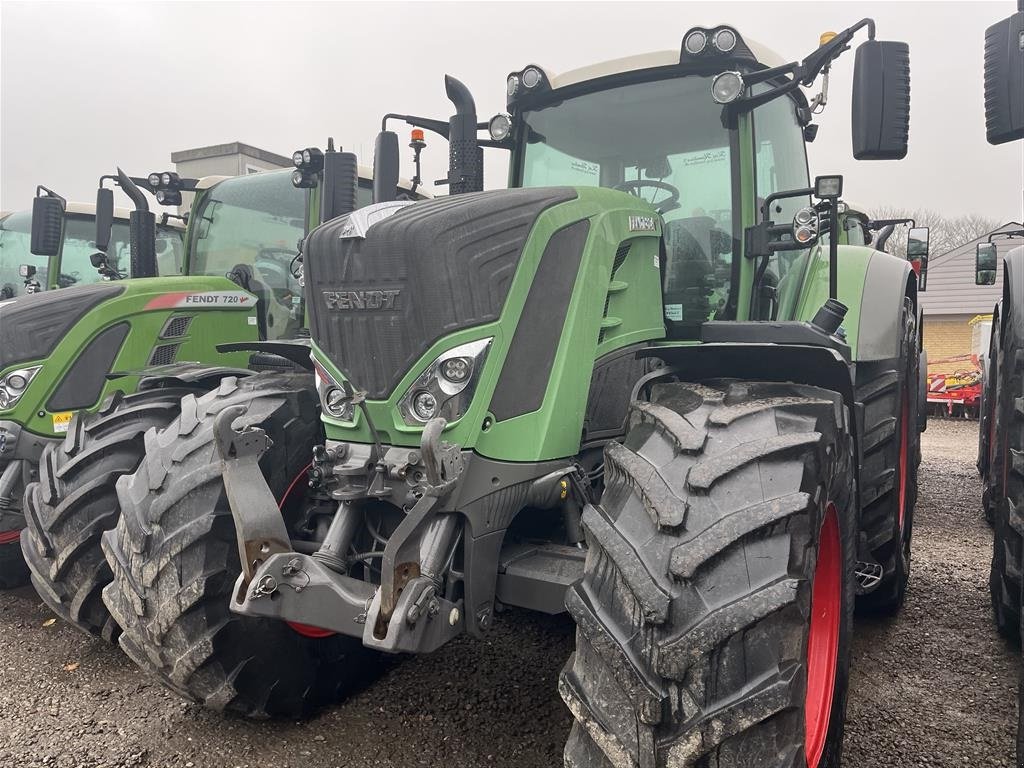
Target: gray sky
x=87, y=86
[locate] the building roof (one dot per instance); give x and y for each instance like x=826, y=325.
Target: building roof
x=951, y=288
x=234, y=148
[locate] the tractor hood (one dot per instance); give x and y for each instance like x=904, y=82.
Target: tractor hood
x=31, y=326
x=378, y=300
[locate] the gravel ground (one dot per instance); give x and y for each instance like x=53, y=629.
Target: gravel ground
x=934, y=688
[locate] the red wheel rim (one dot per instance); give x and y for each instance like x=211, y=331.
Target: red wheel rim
x=9, y=537
x=823, y=638
x=904, y=450
x=306, y=630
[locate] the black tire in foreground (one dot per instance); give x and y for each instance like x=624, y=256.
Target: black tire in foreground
x=891, y=456
x=74, y=502
x=1008, y=491
x=175, y=562
x=714, y=615
x=989, y=446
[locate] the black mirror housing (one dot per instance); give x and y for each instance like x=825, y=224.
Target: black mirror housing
x=385, y=167
x=341, y=184
x=881, y=101
x=47, y=223
x=986, y=262
x=1004, y=80
x=104, y=217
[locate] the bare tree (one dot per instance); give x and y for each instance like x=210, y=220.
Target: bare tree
x=945, y=232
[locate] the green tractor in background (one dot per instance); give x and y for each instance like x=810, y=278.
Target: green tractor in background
x=82, y=349
x=25, y=270
x=1001, y=433
x=646, y=385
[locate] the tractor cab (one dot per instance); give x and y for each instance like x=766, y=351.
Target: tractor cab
x=65, y=260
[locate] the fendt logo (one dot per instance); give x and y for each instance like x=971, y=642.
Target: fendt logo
x=348, y=300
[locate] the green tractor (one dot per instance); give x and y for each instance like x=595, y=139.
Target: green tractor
x=646, y=385
x=82, y=349
x=1001, y=433
x=24, y=269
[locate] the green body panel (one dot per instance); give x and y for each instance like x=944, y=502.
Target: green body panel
x=554, y=430
x=209, y=327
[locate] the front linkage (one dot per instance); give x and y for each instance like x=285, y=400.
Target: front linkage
x=418, y=596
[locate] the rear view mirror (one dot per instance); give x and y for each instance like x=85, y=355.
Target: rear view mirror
x=104, y=217
x=917, y=254
x=341, y=182
x=881, y=101
x=986, y=258
x=1004, y=80
x=47, y=221
x=385, y=167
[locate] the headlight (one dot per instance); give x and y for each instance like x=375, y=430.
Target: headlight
x=14, y=384
x=512, y=85
x=446, y=387
x=727, y=87
x=297, y=158
x=165, y=179
x=154, y=180
x=333, y=398
x=805, y=226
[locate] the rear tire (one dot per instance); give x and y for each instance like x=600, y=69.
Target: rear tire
x=723, y=509
x=989, y=452
x=175, y=561
x=74, y=502
x=891, y=455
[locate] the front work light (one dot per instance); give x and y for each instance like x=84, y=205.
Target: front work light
x=154, y=180
x=828, y=186
x=500, y=127
x=727, y=87
x=297, y=158
x=695, y=42
x=724, y=40
x=512, y=85
x=532, y=77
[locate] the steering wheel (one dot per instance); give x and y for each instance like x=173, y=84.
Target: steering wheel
x=633, y=187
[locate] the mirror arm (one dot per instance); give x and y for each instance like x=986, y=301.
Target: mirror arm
x=439, y=127
x=50, y=193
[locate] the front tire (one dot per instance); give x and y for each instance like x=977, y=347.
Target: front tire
x=175, y=561
x=715, y=611
x=74, y=502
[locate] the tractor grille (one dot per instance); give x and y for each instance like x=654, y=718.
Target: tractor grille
x=176, y=327
x=163, y=354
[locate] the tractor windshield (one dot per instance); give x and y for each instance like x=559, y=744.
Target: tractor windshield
x=663, y=141
x=15, y=234
x=249, y=227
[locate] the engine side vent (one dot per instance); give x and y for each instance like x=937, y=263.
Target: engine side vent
x=176, y=327
x=620, y=258
x=163, y=354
